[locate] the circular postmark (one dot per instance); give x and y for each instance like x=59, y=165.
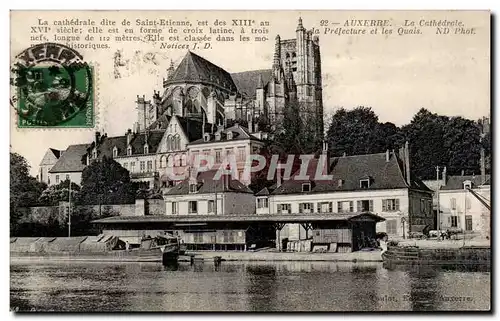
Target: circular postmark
x=52, y=85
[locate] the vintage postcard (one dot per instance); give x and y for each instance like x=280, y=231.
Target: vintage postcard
x=250, y=161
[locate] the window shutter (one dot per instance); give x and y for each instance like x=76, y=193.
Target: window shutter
x=351, y=206
x=359, y=206
x=396, y=203
x=384, y=205
x=371, y=206
x=331, y=207
x=300, y=207
x=339, y=207
x=449, y=220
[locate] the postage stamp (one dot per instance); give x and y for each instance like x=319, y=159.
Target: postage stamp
x=250, y=161
x=53, y=88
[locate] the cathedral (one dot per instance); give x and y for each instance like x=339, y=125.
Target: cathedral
x=197, y=89
x=191, y=115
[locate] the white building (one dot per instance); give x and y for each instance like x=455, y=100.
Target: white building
x=235, y=140
x=70, y=165
x=48, y=161
x=378, y=183
x=204, y=195
x=463, y=204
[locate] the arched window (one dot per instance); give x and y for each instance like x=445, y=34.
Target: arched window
x=184, y=160
x=129, y=150
x=146, y=149
x=115, y=152
x=170, y=161
x=163, y=161
x=177, y=160
x=177, y=142
x=169, y=142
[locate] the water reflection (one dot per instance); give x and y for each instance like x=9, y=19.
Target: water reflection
x=255, y=286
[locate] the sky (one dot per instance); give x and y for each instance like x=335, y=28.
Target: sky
x=394, y=75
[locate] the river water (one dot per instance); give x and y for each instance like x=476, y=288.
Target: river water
x=237, y=286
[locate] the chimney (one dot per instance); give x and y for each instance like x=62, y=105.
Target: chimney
x=250, y=124
x=278, y=175
x=407, y=162
x=483, y=166
x=444, y=176
x=203, y=126
x=129, y=136
x=326, y=155
x=227, y=177
x=387, y=155
x=463, y=172
x=344, y=155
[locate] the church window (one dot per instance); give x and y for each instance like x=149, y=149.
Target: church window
x=193, y=93
x=177, y=160
x=169, y=142
x=176, y=142
x=129, y=150
x=170, y=161
x=183, y=160
x=163, y=161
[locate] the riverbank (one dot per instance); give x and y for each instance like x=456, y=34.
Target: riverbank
x=359, y=256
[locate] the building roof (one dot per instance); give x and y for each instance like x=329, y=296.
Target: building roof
x=208, y=184
x=138, y=140
x=161, y=122
x=247, y=82
x=193, y=128
x=347, y=172
x=263, y=192
x=196, y=69
x=239, y=133
x=56, y=152
x=356, y=216
x=457, y=182
x=72, y=160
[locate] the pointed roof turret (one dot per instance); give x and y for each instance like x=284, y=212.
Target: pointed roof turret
x=170, y=70
x=300, y=26
x=196, y=69
x=260, y=83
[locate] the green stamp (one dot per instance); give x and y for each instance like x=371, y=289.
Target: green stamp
x=54, y=88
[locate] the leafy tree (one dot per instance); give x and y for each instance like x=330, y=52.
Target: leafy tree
x=358, y=131
x=438, y=140
x=297, y=134
x=57, y=193
x=426, y=136
x=463, y=142
x=24, y=189
x=106, y=182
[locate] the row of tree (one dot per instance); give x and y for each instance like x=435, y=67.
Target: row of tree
x=435, y=140
x=104, y=182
